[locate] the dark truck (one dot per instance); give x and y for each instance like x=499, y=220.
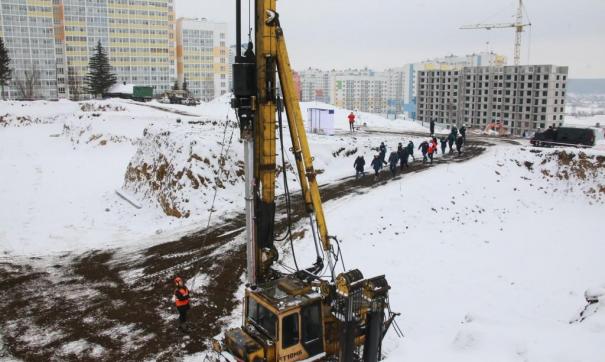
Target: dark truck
x=142, y=93
x=565, y=136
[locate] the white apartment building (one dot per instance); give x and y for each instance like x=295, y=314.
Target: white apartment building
x=28, y=33
x=203, y=57
x=138, y=35
x=54, y=39
x=361, y=90
x=316, y=85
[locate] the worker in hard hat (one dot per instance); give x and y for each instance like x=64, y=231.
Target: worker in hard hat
x=181, y=299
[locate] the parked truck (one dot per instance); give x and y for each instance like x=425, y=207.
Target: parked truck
x=567, y=136
x=142, y=93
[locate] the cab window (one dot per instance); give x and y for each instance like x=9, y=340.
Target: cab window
x=290, y=331
x=311, y=316
x=262, y=318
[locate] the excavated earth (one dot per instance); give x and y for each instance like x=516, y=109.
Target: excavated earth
x=115, y=304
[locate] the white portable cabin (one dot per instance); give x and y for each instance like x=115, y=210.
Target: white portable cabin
x=320, y=121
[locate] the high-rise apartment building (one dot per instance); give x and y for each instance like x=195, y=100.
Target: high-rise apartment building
x=447, y=63
x=316, y=85
x=55, y=39
x=521, y=98
x=28, y=32
x=392, y=91
x=139, y=37
x=202, y=57
x=362, y=90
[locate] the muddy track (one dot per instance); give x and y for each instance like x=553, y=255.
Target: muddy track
x=115, y=304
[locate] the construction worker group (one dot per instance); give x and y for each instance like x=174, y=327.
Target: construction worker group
x=428, y=149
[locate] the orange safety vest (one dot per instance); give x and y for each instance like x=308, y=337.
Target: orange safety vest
x=184, y=292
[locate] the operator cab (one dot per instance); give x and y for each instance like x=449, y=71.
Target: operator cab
x=282, y=322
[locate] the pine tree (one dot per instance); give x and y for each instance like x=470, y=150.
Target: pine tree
x=100, y=77
x=5, y=71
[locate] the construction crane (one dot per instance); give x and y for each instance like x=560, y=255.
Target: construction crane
x=308, y=313
x=519, y=26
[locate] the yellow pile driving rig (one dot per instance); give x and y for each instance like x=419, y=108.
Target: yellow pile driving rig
x=309, y=313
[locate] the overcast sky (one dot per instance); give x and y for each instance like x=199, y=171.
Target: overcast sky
x=388, y=33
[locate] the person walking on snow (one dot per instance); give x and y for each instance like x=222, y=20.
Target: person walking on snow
x=411, y=150
x=463, y=132
x=432, y=149
x=424, y=148
x=402, y=152
x=359, y=164
x=351, y=121
x=181, y=299
x=459, y=143
x=443, y=141
x=383, y=153
x=376, y=165
x=434, y=143
x=432, y=127
x=393, y=159
x=450, y=141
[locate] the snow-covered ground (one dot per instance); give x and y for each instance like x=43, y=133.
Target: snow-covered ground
x=63, y=161
x=488, y=260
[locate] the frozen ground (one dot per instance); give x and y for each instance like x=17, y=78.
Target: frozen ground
x=492, y=259
x=64, y=161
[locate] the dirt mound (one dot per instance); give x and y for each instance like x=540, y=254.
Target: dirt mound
x=178, y=172
x=568, y=171
x=92, y=107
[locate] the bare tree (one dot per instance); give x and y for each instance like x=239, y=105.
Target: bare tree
x=28, y=84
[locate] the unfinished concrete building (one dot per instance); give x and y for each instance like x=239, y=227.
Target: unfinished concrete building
x=521, y=98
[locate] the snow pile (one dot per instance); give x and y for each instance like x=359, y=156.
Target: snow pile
x=86, y=133
x=595, y=299
x=80, y=349
x=177, y=170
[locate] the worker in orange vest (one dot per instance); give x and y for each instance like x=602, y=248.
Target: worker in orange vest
x=181, y=299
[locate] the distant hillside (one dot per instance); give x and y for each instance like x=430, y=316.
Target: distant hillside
x=586, y=86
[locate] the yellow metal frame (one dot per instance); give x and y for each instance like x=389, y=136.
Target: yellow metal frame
x=300, y=144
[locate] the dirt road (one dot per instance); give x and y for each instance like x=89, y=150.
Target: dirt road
x=115, y=304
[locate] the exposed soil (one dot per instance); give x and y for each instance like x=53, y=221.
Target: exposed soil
x=117, y=302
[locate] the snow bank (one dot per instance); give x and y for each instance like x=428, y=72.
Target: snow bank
x=488, y=260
